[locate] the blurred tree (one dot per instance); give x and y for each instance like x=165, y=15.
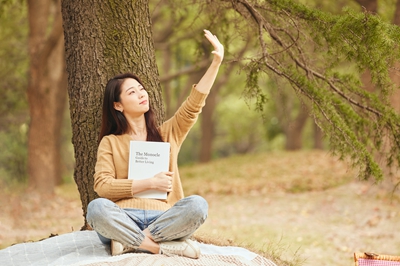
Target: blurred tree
x=290, y=34
x=294, y=120
x=103, y=39
x=241, y=130
x=177, y=39
x=208, y=123
x=14, y=114
x=369, y=5
x=46, y=94
x=373, y=7
x=396, y=17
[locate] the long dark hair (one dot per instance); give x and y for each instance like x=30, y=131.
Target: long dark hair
x=113, y=121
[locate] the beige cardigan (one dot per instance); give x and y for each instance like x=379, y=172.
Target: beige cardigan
x=111, y=170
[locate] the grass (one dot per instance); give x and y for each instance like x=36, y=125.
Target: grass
x=293, y=172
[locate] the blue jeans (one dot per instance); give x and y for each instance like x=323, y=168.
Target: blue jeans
x=126, y=225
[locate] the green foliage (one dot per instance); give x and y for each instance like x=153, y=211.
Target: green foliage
x=321, y=56
x=13, y=158
x=386, y=8
x=253, y=89
x=13, y=58
x=6, y=5
x=240, y=129
x=13, y=83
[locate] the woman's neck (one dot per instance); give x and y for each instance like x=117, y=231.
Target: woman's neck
x=137, y=128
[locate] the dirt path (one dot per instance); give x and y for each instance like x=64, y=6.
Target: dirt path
x=324, y=228
x=30, y=217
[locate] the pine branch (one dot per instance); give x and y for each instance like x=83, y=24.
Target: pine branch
x=334, y=95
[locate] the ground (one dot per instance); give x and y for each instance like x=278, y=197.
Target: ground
x=324, y=227
x=305, y=207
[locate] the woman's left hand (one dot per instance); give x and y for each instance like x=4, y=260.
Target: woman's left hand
x=218, y=47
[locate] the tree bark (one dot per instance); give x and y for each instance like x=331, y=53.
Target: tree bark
x=102, y=39
x=396, y=17
x=167, y=85
x=294, y=130
x=318, y=138
x=395, y=97
x=46, y=94
x=369, y=5
x=207, y=126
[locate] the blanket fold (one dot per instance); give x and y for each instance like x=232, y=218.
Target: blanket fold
x=84, y=248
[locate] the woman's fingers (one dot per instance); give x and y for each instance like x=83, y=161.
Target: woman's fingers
x=218, y=47
x=212, y=38
x=168, y=182
x=164, y=181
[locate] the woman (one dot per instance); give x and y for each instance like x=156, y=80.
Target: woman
x=138, y=224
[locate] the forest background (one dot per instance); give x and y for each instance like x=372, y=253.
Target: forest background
x=229, y=124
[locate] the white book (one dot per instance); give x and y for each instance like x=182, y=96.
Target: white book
x=146, y=159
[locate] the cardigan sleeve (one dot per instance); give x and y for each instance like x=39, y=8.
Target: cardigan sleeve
x=186, y=116
x=105, y=182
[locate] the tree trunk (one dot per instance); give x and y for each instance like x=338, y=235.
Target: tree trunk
x=369, y=5
x=103, y=39
x=46, y=95
x=167, y=85
x=396, y=17
x=207, y=126
x=295, y=129
x=318, y=140
x=395, y=97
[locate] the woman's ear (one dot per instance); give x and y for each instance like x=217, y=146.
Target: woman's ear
x=118, y=106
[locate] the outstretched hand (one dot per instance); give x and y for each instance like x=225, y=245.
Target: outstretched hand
x=218, y=47
x=206, y=82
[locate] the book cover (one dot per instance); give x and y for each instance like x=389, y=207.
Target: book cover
x=146, y=159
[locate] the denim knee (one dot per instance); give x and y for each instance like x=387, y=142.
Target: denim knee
x=96, y=209
x=197, y=207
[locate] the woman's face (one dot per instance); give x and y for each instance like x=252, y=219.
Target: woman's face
x=134, y=99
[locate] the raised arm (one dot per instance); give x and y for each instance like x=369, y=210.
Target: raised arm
x=206, y=82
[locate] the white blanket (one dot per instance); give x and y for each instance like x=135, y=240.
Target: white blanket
x=84, y=248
